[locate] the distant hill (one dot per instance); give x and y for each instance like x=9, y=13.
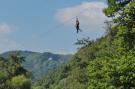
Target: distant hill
x=40, y=63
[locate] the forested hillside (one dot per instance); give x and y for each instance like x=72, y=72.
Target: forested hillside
x=108, y=62
x=73, y=75
x=39, y=63
x=105, y=63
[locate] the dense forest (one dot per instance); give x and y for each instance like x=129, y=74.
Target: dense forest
x=105, y=63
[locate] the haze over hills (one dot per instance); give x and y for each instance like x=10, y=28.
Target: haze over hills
x=40, y=63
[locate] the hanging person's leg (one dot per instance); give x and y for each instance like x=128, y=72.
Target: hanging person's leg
x=77, y=28
x=80, y=30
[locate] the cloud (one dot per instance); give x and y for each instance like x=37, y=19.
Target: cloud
x=4, y=28
x=6, y=42
x=89, y=13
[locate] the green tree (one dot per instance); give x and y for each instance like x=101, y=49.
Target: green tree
x=123, y=14
x=19, y=82
x=115, y=73
x=12, y=74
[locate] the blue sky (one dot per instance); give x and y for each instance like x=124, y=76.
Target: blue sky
x=41, y=25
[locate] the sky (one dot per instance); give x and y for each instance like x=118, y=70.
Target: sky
x=49, y=25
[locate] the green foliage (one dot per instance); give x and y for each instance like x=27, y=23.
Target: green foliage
x=116, y=70
x=19, y=82
x=12, y=74
x=123, y=18
x=112, y=73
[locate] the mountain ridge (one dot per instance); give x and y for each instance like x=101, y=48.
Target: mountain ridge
x=39, y=63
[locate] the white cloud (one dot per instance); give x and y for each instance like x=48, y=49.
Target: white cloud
x=6, y=42
x=4, y=28
x=90, y=14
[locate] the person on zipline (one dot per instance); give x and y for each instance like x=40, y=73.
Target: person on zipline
x=77, y=25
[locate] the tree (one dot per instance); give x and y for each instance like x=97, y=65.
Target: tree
x=116, y=73
x=12, y=74
x=123, y=14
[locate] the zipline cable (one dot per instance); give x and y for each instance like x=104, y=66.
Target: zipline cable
x=60, y=25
